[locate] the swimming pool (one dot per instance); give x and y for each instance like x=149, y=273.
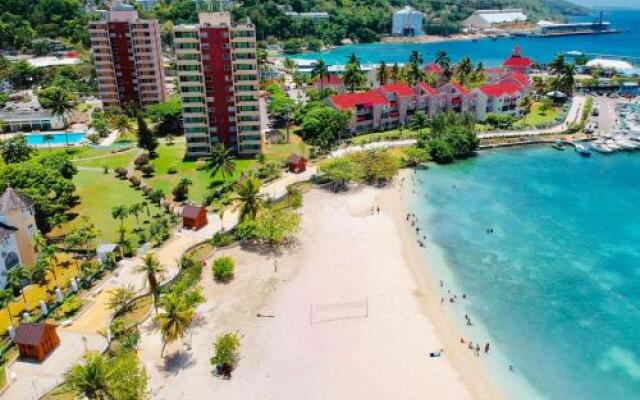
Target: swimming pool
x=57, y=138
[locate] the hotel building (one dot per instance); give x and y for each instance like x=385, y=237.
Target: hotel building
x=218, y=80
x=128, y=58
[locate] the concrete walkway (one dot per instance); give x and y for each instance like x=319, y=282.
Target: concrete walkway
x=109, y=140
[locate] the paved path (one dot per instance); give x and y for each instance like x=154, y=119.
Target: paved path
x=109, y=140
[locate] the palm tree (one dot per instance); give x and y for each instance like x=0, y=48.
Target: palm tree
x=538, y=85
x=121, y=213
x=248, y=198
x=181, y=191
x=61, y=105
x=120, y=299
x=218, y=208
x=558, y=64
x=175, y=319
x=38, y=242
x=53, y=262
x=395, y=72
x=415, y=58
x=15, y=277
x=6, y=297
x=221, y=159
x=152, y=268
x=526, y=103
x=382, y=73
x=38, y=272
x=568, y=80
x=320, y=70
x=463, y=70
x=122, y=124
x=48, y=138
x=93, y=379
x=442, y=58
x=353, y=76
x=135, y=210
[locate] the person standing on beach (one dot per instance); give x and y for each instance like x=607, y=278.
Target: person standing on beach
x=486, y=348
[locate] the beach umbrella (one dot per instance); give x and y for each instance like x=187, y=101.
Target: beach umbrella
x=556, y=94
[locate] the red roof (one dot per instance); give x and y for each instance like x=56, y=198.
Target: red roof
x=518, y=77
x=433, y=68
x=518, y=61
x=191, y=212
x=494, y=71
x=431, y=91
x=399, y=89
x=330, y=80
x=459, y=88
x=502, y=88
x=30, y=333
x=350, y=100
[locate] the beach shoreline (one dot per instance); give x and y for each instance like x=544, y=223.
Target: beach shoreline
x=474, y=375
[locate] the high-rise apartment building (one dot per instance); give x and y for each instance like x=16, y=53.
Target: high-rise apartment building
x=218, y=80
x=128, y=58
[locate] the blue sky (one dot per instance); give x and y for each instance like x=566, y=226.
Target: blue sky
x=615, y=3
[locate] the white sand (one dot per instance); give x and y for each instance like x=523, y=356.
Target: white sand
x=345, y=255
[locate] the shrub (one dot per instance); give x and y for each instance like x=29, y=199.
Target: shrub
x=172, y=171
x=225, y=353
x=93, y=138
x=222, y=239
x=105, y=169
x=135, y=181
x=223, y=269
x=147, y=169
x=141, y=160
x=121, y=172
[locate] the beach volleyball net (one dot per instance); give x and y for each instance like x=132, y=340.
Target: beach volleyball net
x=326, y=312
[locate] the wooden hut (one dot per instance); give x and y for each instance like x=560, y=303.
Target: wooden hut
x=36, y=340
x=194, y=217
x=296, y=163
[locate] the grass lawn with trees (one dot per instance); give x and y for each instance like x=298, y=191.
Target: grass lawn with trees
x=394, y=134
x=111, y=160
x=537, y=117
x=65, y=270
x=280, y=152
x=172, y=156
x=99, y=193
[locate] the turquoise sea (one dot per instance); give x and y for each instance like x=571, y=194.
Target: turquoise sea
x=556, y=287
x=492, y=53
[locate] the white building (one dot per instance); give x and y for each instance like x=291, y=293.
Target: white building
x=27, y=121
x=407, y=22
x=314, y=16
x=607, y=64
x=486, y=19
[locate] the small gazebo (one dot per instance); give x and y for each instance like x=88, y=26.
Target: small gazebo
x=36, y=340
x=194, y=217
x=296, y=163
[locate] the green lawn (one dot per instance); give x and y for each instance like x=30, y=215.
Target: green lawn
x=99, y=194
x=280, y=152
x=537, y=118
x=394, y=134
x=111, y=160
x=173, y=156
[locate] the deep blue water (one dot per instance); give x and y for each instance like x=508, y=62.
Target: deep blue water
x=557, y=285
x=37, y=139
x=493, y=53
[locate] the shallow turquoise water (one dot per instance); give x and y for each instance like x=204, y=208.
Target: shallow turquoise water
x=58, y=138
x=558, y=283
x=493, y=53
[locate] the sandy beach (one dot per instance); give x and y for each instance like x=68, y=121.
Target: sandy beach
x=433, y=38
x=347, y=312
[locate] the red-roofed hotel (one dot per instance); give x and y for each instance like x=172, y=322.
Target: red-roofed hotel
x=395, y=104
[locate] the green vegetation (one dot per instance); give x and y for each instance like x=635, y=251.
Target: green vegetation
x=99, y=193
x=102, y=376
x=372, y=167
x=172, y=157
x=540, y=115
x=225, y=353
x=322, y=125
x=175, y=318
x=450, y=137
x=395, y=134
x=223, y=269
